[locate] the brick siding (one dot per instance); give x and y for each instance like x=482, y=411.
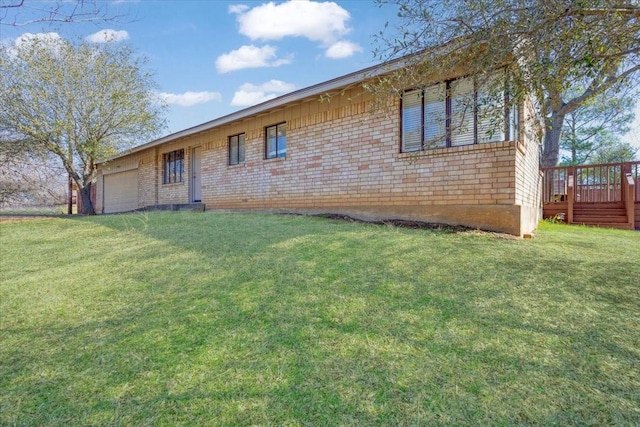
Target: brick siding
x=342, y=158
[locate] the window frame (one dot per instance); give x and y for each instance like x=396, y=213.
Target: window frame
x=448, y=115
x=240, y=154
x=280, y=151
x=173, y=166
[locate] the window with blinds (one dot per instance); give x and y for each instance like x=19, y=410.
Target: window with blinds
x=435, y=116
x=462, y=118
x=412, y=121
x=491, y=111
x=455, y=113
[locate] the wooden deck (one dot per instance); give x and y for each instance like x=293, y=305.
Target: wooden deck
x=606, y=195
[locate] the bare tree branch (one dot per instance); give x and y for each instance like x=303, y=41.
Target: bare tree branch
x=598, y=89
x=20, y=13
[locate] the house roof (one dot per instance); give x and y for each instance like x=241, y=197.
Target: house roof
x=298, y=95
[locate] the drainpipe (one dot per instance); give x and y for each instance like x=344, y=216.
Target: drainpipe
x=570, y=197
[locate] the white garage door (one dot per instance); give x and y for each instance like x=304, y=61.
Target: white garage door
x=121, y=191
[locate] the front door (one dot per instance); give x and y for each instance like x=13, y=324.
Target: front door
x=196, y=190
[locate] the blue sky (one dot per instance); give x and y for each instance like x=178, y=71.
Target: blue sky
x=213, y=57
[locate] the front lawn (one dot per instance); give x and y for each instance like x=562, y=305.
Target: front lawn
x=181, y=318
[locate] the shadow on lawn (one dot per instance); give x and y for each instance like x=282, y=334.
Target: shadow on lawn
x=251, y=320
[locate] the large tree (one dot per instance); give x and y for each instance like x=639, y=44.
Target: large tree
x=596, y=126
x=616, y=151
x=80, y=102
x=549, y=47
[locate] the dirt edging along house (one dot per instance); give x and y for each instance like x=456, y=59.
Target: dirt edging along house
x=297, y=154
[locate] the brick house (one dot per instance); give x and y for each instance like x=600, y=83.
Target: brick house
x=297, y=154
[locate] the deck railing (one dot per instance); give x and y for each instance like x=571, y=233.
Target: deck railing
x=599, y=183
x=593, y=187
x=634, y=170
x=591, y=183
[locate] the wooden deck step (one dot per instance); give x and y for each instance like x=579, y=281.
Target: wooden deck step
x=589, y=210
x=600, y=220
x=613, y=215
x=620, y=226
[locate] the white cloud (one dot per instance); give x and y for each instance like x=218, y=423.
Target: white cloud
x=189, y=99
x=106, y=36
x=238, y=8
x=323, y=22
x=52, y=41
x=249, y=57
x=49, y=38
x=250, y=94
x=342, y=49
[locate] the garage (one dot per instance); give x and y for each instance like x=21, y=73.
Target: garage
x=121, y=191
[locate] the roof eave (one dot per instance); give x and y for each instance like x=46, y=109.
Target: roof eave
x=296, y=96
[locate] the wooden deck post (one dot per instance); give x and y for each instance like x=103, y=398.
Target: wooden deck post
x=570, y=198
x=629, y=195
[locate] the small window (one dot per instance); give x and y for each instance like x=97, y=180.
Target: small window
x=236, y=149
x=276, y=141
x=172, y=167
x=514, y=122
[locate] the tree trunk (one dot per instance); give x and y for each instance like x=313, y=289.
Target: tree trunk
x=551, y=150
x=87, y=203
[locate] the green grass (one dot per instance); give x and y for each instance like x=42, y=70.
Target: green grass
x=37, y=210
x=178, y=318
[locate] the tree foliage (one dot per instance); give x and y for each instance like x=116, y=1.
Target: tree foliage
x=616, y=151
x=549, y=48
x=596, y=126
x=80, y=102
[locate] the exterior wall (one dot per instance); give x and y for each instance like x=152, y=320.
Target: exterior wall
x=149, y=171
x=529, y=176
x=341, y=158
